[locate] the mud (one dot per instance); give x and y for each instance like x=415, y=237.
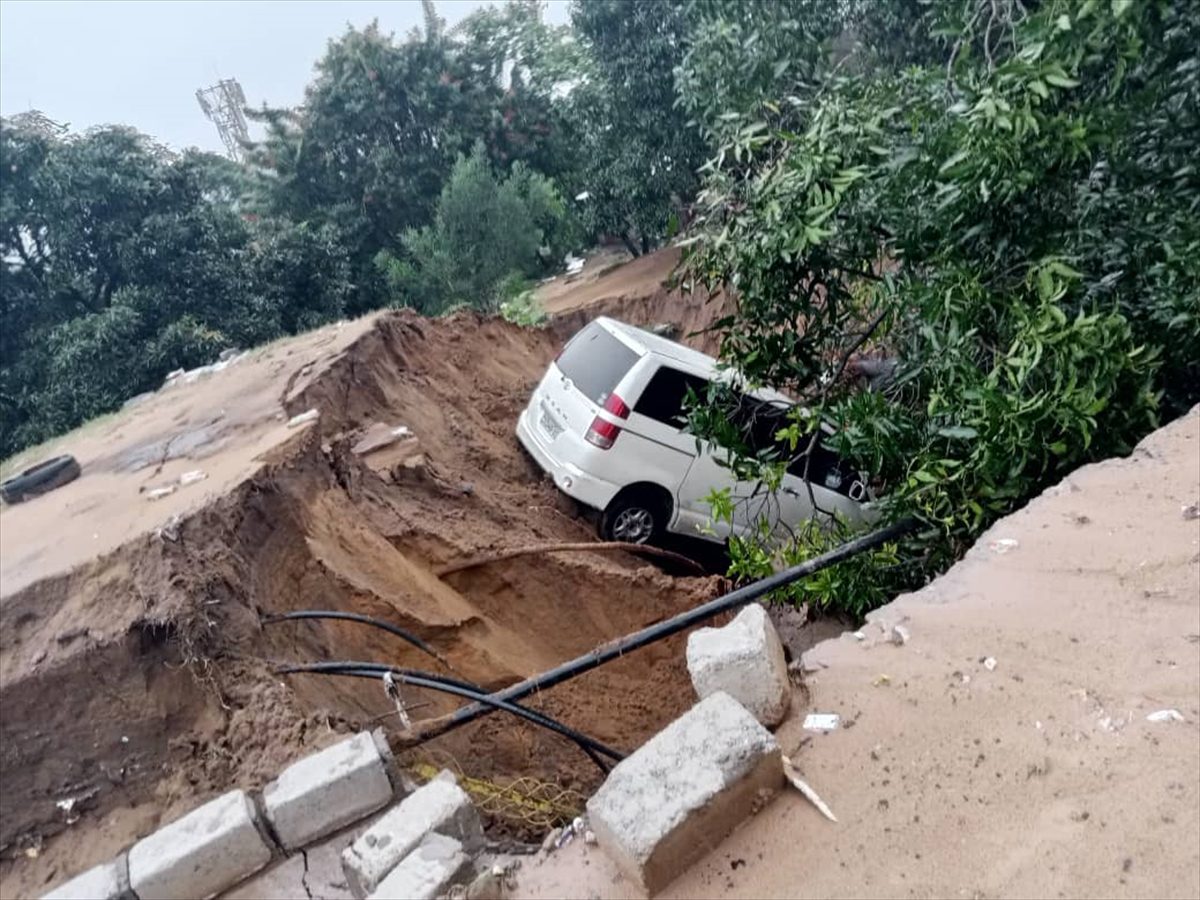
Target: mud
x=138, y=679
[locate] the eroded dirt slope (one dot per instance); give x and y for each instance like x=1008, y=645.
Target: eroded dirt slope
x=138, y=679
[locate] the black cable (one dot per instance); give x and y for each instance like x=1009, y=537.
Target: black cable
x=619, y=647
x=589, y=745
x=336, y=666
x=357, y=617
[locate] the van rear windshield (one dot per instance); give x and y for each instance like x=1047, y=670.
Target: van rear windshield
x=595, y=361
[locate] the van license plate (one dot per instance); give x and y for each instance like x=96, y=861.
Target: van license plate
x=550, y=424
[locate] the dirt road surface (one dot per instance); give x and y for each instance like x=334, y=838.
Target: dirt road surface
x=1040, y=777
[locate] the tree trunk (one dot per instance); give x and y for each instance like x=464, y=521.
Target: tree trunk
x=629, y=244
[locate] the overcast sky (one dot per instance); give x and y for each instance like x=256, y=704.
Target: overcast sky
x=139, y=62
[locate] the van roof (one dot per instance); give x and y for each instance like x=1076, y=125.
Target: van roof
x=645, y=342
x=642, y=342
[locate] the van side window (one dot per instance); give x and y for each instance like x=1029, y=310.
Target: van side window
x=761, y=421
x=662, y=400
x=596, y=361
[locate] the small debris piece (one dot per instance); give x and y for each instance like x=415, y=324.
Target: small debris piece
x=822, y=722
x=900, y=635
x=589, y=838
x=169, y=531
x=551, y=840
x=1003, y=545
x=860, y=635
x=799, y=783
x=192, y=477
x=392, y=691
x=881, y=681
x=303, y=418
x=159, y=492
x=488, y=885
x=379, y=437
x=65, y=637
x=1190, y=512
x=1165, y=715
x=990, y=664
x=467, y=487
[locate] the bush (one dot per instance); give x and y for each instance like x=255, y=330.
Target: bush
x=484, y=230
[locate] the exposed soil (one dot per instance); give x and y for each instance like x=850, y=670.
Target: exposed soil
x=135, y=676
x=1005, y=750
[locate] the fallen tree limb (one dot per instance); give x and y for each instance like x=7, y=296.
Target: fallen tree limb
x=588, y=546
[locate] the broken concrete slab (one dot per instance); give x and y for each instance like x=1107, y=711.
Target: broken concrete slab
x=326, y=791
x=107, y=881
x=425, y=873
x=684, y=790
x=316, y=872
x=203, y=853
x=441, y=806
x=745, y=660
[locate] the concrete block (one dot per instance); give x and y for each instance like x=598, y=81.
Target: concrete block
x=441, y=806
x=326, y=791
x=107, y=881
x=425, y=873
x=745, y=660
x=679, y=795
x=208, y=850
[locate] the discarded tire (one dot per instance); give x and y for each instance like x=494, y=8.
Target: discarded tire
x=45, y=476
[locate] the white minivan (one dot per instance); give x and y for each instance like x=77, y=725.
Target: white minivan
x=607, y=423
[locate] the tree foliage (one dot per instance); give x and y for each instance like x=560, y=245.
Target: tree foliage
x=1014, y=225
x=122, y=261
x=485, y=229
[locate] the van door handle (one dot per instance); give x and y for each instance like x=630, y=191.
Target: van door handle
x=791, y=492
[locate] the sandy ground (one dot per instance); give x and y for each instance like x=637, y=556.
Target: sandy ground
x=1039, y=777
x=220, y=425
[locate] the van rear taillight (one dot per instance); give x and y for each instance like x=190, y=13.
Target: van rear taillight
x=602, y=433
x=616, y=406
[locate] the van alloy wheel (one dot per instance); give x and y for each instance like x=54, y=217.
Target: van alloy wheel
x=635, y=525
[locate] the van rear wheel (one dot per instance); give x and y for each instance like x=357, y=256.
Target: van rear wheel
x=635, y=518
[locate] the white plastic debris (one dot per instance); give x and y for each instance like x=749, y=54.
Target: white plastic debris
x=192, y=477
x=860, y=635
x=822, y=722
x=900, y=635
x=990, y=664
x=392, y=691
x=160, y=492
x=1165, y=715
x=1003, y=545
x=801, y=785
x=303, y=418
x=589, y=838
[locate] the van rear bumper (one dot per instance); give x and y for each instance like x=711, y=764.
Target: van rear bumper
x=568, y=478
